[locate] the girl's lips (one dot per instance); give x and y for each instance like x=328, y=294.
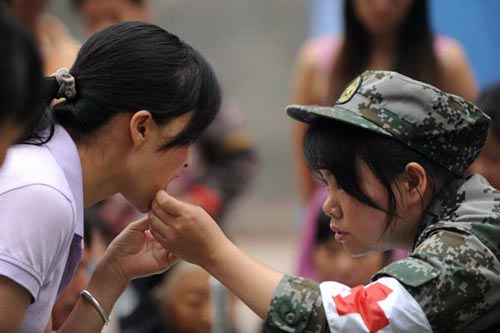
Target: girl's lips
x=340, y=236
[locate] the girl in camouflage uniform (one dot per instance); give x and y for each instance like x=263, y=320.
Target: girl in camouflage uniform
x=392, y=152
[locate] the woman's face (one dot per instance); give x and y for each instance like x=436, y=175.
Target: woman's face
x=150, y=168
x=333, y=263
x=381, y=17
x=357, y=226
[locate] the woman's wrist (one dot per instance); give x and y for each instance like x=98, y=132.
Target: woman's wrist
x=107, y=283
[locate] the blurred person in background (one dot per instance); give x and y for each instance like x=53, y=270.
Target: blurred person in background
x=488, y=162
x=21, y=83
x=57, y=46
x=183, y=298
x=378, y=34
x=99, y=14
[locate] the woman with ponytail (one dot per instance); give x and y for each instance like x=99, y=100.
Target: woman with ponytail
x=132, y=104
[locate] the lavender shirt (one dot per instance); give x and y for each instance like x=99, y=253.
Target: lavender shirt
x=41, y=222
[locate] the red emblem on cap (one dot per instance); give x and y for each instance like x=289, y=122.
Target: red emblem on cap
x=365, y=302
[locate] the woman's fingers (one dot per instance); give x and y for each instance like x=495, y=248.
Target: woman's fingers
x=158, y=228
x=139, y=225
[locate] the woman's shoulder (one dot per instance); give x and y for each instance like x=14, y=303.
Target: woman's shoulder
x=27, y=165
x=450, y=53
x=456, y=74
x=446, y=47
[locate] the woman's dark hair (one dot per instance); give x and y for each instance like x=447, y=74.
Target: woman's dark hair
x=21, y=72
x=339, y=149
x=137, y=66
x=415, y=56
x=489, y=102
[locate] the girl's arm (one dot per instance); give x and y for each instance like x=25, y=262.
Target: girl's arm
x=287, y=303
x=189, y=232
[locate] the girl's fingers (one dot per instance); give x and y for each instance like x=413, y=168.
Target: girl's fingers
x=161, y=214
x=169, y=204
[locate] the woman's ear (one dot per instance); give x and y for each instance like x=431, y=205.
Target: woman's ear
x=142, y=126
x=416, y=184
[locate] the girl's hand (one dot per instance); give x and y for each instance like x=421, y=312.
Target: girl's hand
x=136, y=253
x=186, y=230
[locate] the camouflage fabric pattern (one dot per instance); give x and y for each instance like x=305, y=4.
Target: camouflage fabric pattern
x=296, y=307
x=444, y=127
x=454, y=270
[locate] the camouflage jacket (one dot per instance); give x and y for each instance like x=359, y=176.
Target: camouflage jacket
x=453, y=272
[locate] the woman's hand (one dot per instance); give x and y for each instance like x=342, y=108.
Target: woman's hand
x=136, y=253
x=186, y=230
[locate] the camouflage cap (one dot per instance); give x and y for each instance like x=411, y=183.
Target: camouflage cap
x=444, y=127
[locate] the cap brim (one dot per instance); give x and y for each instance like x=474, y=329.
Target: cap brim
x=308, y=113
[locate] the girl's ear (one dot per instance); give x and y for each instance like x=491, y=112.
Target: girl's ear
x=416, y=183
x=142, y=126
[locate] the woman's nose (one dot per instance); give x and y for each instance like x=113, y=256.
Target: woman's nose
x=188, y=160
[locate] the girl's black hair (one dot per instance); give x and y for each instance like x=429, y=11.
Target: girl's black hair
x=130, y=67
x=20, y=70
x=338, y=148
x=415, y=56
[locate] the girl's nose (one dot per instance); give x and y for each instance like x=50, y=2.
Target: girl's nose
x=331, y=208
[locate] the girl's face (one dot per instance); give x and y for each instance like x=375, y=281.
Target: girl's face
x=357, y=226
x=150, y=168
x=381, y=17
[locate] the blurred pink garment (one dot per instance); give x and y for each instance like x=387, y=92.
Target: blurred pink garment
x=307, y=235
